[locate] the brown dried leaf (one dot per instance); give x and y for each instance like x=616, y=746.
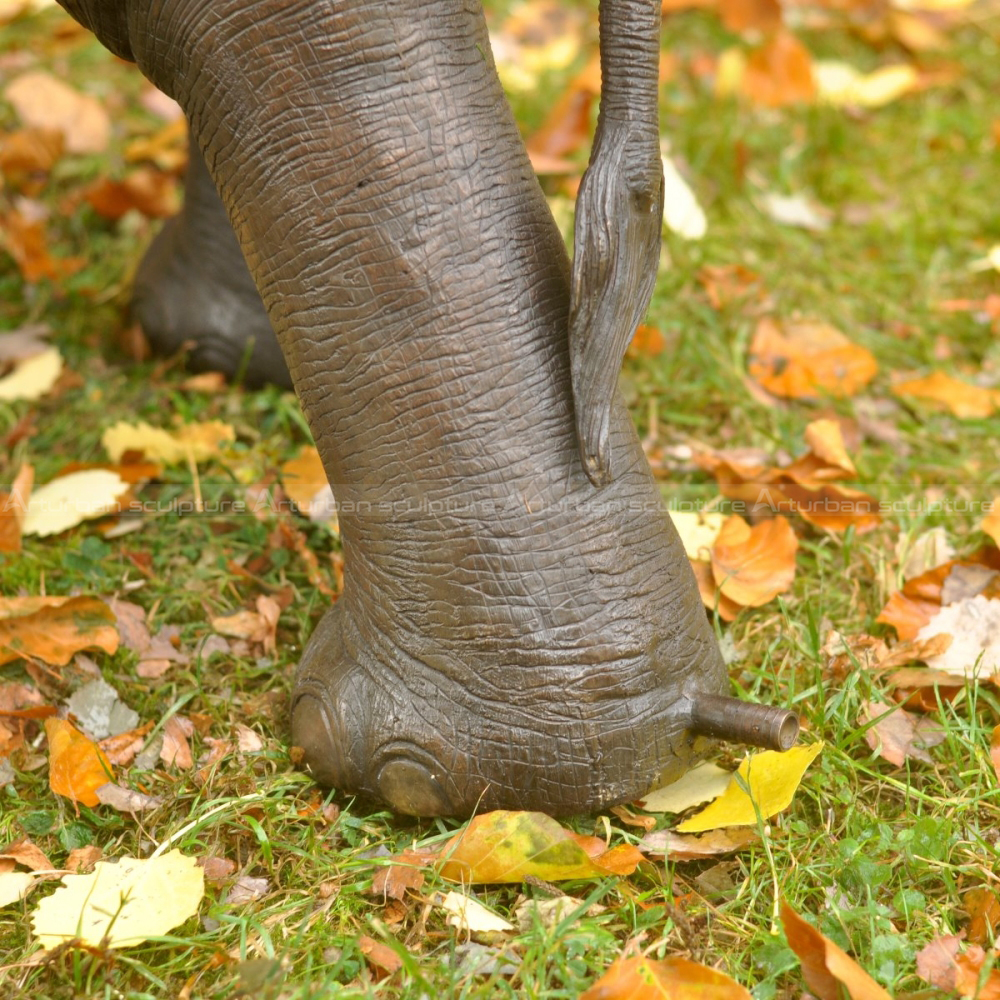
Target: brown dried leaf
x=82, y=859
x=28, y=152
x=176, y=749
x=566, y=129
x=24, y=239
x=401, y=874
x=898, y=735
x=826, y=968
x=26, y=853
x=379, y=956
x=697, y=847
x=125, y=799
x=942, y=966
x=217, y=870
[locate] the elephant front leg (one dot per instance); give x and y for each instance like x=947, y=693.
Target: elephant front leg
x=618, y=220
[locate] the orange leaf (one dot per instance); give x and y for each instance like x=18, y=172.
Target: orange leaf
x=13, y=507
x=826, y=968
x=991, y=523
x=672, y=978
x=897, y=735
x=804, y=359
x=779, y=72
x=983, y=908
x=566, y=129
x=753, y=565
x=711, y=596
x=54, y=633
x=24, y=239
x=995, y=750
x=750, y=15
x=149, y=191
x=942, y=966
x=962, y=399
x=77, y=766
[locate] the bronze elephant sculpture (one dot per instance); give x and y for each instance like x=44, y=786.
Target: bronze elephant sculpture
x=520, y=627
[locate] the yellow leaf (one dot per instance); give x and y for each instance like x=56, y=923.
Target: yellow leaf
x=698, y=530
x=32, y=377
x=70, y=500
x=772, y=778
x=505, y=846
x=841, y=85
x=127, y=903
x=14, y=886
x=191, y=442
x=702, y=783
x=469, y=916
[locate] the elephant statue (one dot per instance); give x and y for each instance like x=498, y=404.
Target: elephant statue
x=519, y=626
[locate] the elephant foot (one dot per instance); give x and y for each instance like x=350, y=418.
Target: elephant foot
x=479, y=669
x=193, y=292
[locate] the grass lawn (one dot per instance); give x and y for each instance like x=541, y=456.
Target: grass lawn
x=881, y=857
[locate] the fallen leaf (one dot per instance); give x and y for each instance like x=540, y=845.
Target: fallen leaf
x=990, y=524
x=566, y=128
x=804, y=359
x=552, y=911
x=469, y=916
x=22, y=233
x=897, y=735
x=796, y=210
x=189, y=442
x=14, y=886
x=983, y=908
x=77, y=766
x=29, y=152
x=70, y=500
x=167, y=148
x=966, y=401
x=681, y=212
x=942, y=966
x=147, y=190
x=42, y=101
x=841, y=85
x=176, y=750
x=83, y=857
x=247, y=889
x=125, y=799
x=32, y=377
x=505, y=846
x=379, y=956
x=671, y=978
x=711, y=596
x=689, y=847
x=753, y=16
x=647, y=342
x=751, y=566
x=123, y=904
x=698, y=530
x=402, y=874
x=826, y=968
x=54, y=631
x=217, y=870
x=27, y=854
x=14, y=509
x=772, y=778
x=704, y=782
x=778, y=73
x=974, y=624
x=729, y=284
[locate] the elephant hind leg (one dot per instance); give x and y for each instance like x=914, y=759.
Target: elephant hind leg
x=193, y=292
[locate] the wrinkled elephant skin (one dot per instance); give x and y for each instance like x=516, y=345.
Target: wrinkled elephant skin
x=510, y=634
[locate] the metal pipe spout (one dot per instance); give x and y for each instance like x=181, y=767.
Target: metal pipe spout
x=738, y=721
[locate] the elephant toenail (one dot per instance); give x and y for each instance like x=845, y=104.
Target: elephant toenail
x=323, y=753
x=410, y=788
